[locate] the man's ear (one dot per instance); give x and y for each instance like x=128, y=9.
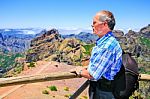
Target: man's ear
x=105, y=23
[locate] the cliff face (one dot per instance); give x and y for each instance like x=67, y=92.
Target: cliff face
x=51, y=46
x=44, y=45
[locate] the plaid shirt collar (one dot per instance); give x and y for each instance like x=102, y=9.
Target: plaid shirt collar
x=99, y=41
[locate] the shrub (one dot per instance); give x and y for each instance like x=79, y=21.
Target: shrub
x=52, y=88
x=66, y=88
x=45, y=92
x=32, y=64
x=68, y=95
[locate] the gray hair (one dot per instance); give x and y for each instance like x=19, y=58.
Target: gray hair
x=110, y=20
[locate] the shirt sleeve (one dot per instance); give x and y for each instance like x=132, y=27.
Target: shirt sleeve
x=100, y=62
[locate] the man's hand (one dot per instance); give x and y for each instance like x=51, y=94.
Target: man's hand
x=81, y=72
x=77, y=70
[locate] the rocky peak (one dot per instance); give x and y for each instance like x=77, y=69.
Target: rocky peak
x=52, y=31
x=51, y=46
x=131, y=33
x=83, y=36
x=146, y=31
x=118, y=33
x=49, y=36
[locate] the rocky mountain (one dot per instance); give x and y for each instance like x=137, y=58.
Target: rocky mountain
x=136, y=43
x=71, y=48
x=83, y=36
x=17, y=40
x=52, y=46
x=145, y=31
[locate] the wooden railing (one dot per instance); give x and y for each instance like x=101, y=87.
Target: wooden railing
x=48, y=77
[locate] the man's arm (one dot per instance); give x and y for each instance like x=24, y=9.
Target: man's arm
x=84, y=73
x=99, y=63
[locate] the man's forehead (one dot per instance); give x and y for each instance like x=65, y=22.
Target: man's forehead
x=101, y=16
x=96, y=17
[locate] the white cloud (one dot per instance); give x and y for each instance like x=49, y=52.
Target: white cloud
x=7, y=30
x=65, y=31
x=29, y=32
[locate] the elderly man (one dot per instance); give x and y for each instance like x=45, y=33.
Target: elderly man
x=106, y=57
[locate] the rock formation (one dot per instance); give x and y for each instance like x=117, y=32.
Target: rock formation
x=51, y=46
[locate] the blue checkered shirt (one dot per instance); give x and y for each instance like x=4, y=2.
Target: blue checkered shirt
x=106, y=58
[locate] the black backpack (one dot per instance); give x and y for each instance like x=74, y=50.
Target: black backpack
x=126, y=80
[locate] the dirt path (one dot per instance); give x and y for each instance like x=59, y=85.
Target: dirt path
x=34, y=90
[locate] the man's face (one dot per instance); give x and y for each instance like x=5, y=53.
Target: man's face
x=97, y=26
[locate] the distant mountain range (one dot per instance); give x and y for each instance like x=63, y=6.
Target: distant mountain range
x=83, y=36
x=18, y=40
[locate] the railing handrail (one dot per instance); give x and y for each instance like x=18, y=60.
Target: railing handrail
x=48, y=77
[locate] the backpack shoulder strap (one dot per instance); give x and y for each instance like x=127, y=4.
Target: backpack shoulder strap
x=130, y=63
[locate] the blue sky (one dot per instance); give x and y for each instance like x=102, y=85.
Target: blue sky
x=132, y=14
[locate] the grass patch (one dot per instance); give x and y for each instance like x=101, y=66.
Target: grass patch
x=52, y=88
x=68, y=95
x=66, y=88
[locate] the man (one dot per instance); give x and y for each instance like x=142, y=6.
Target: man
x=106, y=57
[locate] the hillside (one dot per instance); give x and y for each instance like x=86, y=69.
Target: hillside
x=17, y=40
x=52, y=46
x=71, y=48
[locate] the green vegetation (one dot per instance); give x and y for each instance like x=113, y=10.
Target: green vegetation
x=144, y=70
x=52, y=88
x=68, y=95
x=30, y=51
x=7, y=60
x=18, y=69
x=145, y=41
x=11, y=63
x=88, y=49
x=31, y=64
x=66, y=88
